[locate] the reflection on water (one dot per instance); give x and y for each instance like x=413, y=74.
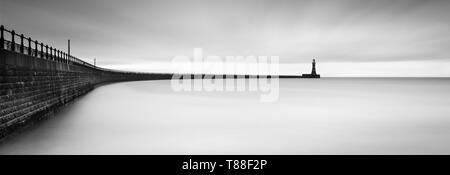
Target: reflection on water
x=322, y=116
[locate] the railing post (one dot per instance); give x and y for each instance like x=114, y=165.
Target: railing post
x=13, y=41
x=51, y=53
x=46, y=52
x=21, y=43
x=55, y=58
x=42, y=50
x=36, y=48
x=29, y=46
x=2, y=39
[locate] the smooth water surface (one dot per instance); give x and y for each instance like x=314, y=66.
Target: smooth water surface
x=312, y=116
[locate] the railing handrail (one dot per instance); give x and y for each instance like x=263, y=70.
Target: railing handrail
x=53, y=55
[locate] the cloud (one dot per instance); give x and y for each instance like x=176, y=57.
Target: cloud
x=123, y=32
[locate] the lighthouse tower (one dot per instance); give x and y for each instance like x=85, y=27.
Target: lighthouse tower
x=313, y=72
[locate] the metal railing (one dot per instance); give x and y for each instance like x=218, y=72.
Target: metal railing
x=25, y=45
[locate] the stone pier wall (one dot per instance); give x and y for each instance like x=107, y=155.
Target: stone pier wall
x=32, y=87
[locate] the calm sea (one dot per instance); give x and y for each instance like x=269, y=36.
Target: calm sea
x=311, y=116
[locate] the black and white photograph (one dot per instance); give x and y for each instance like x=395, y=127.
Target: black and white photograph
x=224, y=77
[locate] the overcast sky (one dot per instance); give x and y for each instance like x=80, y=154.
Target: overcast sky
x=348, y=37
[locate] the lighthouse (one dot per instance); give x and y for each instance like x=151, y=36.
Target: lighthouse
x=313, y=72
